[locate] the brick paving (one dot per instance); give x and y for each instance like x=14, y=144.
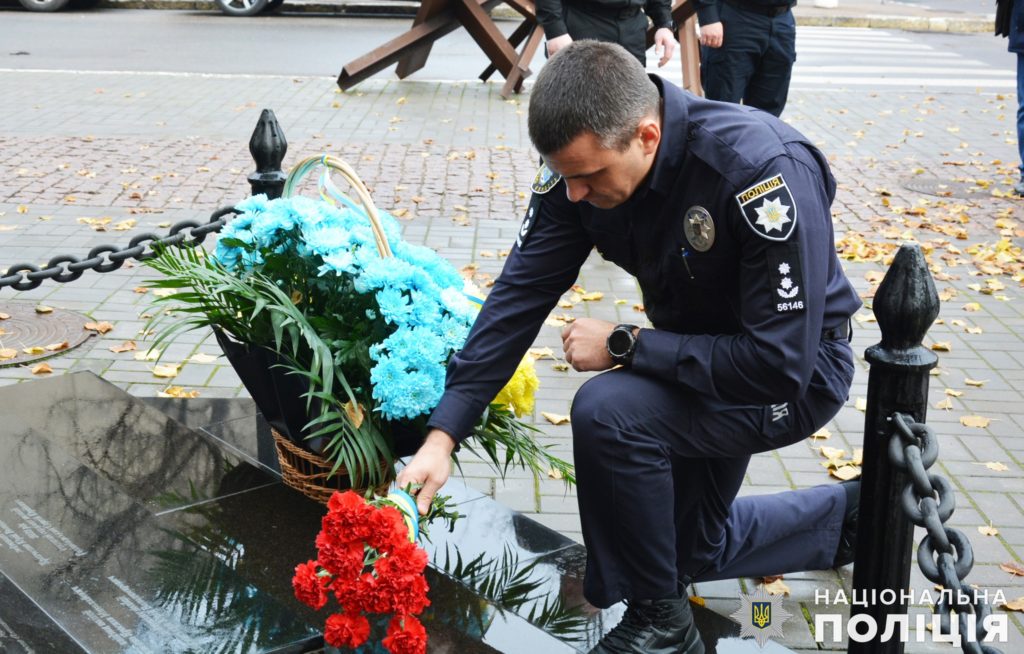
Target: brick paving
x=454, y=156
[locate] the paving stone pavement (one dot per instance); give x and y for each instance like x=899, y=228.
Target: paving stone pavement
x=454, y=161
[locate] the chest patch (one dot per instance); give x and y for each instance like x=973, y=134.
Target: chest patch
x=786, y=278
x=699, y=228
x=769, y=209
x=544, y=180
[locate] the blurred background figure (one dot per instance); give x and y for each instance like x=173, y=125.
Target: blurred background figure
x=1008, y=24
x=614, y=21
x=748, y=50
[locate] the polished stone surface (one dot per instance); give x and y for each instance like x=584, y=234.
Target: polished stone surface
x=160, y=525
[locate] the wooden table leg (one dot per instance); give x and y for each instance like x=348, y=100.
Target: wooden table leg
x=514, y=82
x=514, y=40
x=486, y=34
x=417, y=58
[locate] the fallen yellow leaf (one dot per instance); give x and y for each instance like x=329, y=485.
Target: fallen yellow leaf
x=953, y=393
x=101, y=327
x=821, y=434
x=127, y=346
x=5, y=316
x=846, y=472
x=147, y=355
x=42, y=369
x=777, y=587
x=860, y=404
x=942, y=346
x=697, y=600
x=560, y=367
x=7, y=353
x=974, y=421
x=57, y=347
x=166, y=370
x=945, y=405
x=554, y=474
x=164, y=292
x=42, y=308
x=996, y=466
x=199, y=357
x=538, y=353
x=975, y=382
x=1014, y=605
x=554, y=418
x=988, y=530
x=972, y=307
x=1014, y=569
x=832, y=452
x=35, y=349
x=592, y=297
x=179, y=392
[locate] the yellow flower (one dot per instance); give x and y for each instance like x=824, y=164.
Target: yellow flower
x=518, y=393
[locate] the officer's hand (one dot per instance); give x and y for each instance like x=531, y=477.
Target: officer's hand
x=429, y=469
x=664, y=45
x=585, y=344
x=557, y=43
x=712, y=35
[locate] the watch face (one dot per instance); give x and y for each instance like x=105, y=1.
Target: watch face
x=619, y=342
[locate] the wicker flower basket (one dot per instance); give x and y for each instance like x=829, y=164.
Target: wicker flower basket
x=311, y=474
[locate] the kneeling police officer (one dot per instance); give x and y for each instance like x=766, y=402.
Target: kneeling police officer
x=721, y=212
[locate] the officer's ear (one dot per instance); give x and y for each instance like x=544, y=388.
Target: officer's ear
x=649, y=133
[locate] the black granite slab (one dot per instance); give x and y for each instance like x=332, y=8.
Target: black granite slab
x=131, y=526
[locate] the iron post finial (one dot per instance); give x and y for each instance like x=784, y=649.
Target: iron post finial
x=268, y=147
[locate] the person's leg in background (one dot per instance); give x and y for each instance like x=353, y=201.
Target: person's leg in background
x=769, y=85
x=1019, y=188
x=727, y=70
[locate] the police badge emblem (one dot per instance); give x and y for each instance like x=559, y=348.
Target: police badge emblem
x=699, y=228
x=761, y=616
x=544, y=180
x=769, y=209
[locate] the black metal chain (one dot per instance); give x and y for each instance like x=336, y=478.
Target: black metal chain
x=106, y=258
x=945, y=555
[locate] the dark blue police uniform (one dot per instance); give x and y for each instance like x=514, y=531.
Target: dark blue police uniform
x=731, y=240
x=613, y=21
x=755, y=61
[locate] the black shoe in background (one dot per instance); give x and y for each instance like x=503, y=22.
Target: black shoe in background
x=848, y=535
x=653, y=627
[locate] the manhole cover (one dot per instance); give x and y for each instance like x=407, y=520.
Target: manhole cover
x=26, y=329
x=946, y=188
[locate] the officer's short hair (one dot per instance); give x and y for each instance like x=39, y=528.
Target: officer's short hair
x=590, y=86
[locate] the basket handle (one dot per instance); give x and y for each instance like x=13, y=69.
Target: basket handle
x=301, y=169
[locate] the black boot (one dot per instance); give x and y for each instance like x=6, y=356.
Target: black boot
x=654, y=627
x=848, y=536
x=1018, y=188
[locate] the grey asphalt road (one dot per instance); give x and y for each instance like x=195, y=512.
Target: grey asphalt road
x=209, y=42
x=121, y=40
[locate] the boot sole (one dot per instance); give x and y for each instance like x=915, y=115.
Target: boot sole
x=694, y=644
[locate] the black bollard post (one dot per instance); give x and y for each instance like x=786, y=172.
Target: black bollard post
x=268, y=147
x=905, y=305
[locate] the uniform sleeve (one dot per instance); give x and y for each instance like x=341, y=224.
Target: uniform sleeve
x=660, y=12
x=550, y=249
x=707, y=12
x=782, y=286
x=549, y=15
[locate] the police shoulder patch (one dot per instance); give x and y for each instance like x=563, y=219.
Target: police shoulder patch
x=528, y=222
x=768, y=208
x=544, y=180
x=786, y=277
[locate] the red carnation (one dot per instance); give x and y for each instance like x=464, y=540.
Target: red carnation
x=344, y=630
x=309, y=587
x=406, y=635
x=340, y=559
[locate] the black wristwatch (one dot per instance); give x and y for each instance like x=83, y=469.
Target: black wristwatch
x=621, y=344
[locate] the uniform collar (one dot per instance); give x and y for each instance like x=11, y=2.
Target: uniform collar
x=672, y=149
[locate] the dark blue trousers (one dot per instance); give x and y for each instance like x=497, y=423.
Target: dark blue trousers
x=658, y=470
x=755, y=61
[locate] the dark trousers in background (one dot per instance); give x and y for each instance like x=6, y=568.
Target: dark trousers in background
x=1020, y=111
x=627, y=27
x=755, y=61
x=658, y=470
